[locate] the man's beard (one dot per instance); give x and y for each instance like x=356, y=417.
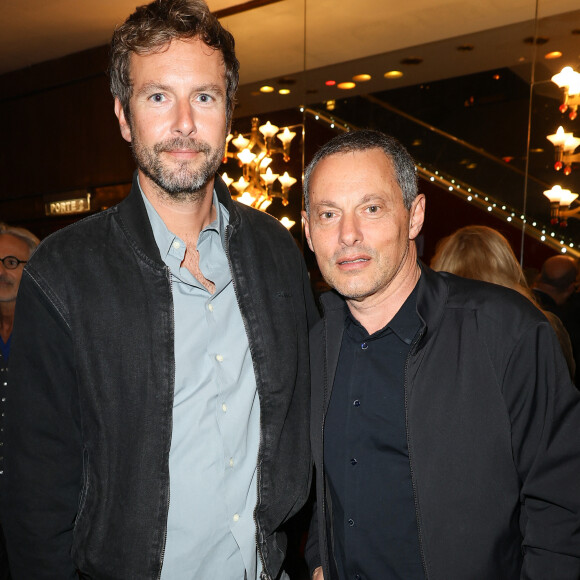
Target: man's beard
x=178, y=180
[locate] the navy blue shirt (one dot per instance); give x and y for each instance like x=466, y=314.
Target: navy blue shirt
x=374, y=526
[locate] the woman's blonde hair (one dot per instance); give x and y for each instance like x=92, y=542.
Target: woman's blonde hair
x=481, y=253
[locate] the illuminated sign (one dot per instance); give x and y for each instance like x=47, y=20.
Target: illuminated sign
x=71, y=205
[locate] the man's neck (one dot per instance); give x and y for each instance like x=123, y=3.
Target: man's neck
x=185, y=218
x=376, y=311
x=6, y=319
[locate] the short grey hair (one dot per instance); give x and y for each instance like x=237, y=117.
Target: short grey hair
x=363, y=140
x=22, y=234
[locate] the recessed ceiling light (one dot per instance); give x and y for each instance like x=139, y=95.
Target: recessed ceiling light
x=412, y=60
x=539, y=40
x=330, y=83
x=284, y=91
x=266, y=89
x=393, y=74
x=552, y=55
x=346, y=85
x=362, y=78
x=496, y=77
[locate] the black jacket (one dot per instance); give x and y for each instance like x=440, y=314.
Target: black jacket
x=493, y=428
x=90, y=415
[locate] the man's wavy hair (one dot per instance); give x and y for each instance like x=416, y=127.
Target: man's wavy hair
x=153, y=26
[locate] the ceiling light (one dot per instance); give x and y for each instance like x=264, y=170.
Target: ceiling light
x=412, y=60
x=393, y=74
x=330, y=83
x=284, y=91
x=346, y=85
x=266, y=89
x=553, y=55
x=363, y=78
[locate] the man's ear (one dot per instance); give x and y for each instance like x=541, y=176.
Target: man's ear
x=416, y=216
x=123, y=122
x=307, y=229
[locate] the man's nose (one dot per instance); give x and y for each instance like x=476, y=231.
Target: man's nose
x=184, y=118
x=350, y=230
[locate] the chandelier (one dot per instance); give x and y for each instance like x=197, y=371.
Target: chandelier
x=254, y=152
x=564, y=145
x=569, y=80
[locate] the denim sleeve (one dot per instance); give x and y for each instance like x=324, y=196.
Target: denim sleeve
x=43, y=457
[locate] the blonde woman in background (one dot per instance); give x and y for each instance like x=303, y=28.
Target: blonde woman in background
x=482, y=253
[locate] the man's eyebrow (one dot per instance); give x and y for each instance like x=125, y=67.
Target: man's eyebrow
x=153, y=87
x=149, y=88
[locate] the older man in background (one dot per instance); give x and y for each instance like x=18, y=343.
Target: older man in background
x=16, y=247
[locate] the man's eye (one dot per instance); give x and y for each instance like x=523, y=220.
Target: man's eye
x=205, y=98
x=373, y=209
x=327, y=215
x=157, y=98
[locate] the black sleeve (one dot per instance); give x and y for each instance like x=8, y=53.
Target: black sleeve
x=544, y=409
x=43, y=452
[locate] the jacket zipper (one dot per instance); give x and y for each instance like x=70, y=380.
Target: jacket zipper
x=413, y=483
x=168, y=271
x=264, y=574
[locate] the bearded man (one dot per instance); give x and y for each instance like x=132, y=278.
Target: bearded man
x=161, y=346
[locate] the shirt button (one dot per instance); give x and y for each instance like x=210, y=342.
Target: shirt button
x=219, y=358
x=353, y=461
x=364, y=345
x=236, y=517
x=356, y=403
x=351, y=522
x=210, y=307
x=224, y=407
x=176, y=245
x=231, y=461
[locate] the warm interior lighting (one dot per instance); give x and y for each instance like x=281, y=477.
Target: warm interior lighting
x=564, y=145
x=553, y=55
x=256, y=186
x=284, y=91
x=286, y=222
x=559, y=137
x=240, y=142
x=569, y=81
x=266, y=89
x=227, y=179
x=362, y=78
x=246, y=156
x=287, y=181
x=346, y=85
x=240, y=185
x=330, y=83
x=268, y=130
x=393, y=74
x=286, y=136
x=269, y=177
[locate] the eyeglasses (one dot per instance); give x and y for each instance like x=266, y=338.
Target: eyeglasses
x=11, y=263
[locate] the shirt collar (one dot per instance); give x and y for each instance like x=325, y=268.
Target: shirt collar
x=165, y=238
x=404, y=324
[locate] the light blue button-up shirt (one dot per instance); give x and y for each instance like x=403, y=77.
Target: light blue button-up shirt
x=211, y=532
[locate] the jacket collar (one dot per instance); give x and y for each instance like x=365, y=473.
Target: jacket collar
x=432, y=295
x=134, y=216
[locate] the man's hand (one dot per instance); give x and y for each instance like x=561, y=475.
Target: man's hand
x=317, y=574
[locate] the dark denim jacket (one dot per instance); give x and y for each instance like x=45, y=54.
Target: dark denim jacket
x=90, y=416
